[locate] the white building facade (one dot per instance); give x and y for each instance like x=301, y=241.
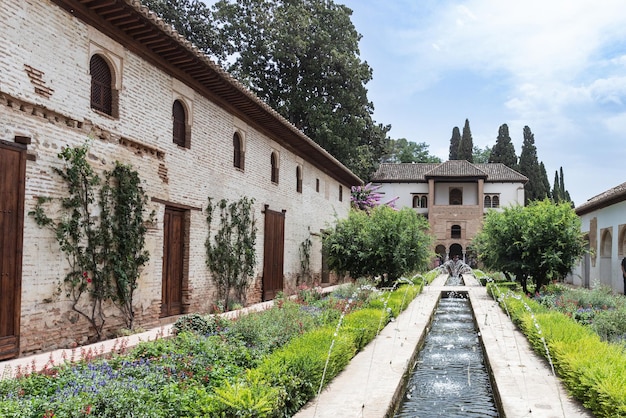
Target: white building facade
x=112, y=74
x=603, y=219
x=453, y=196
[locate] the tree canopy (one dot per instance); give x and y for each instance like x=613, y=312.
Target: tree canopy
x=466, y=146
x=455, y=140
x=382, y=242
x=404, y=151
x=529, y=166
x=504, y=150
x=541, y=241
x=301, y=58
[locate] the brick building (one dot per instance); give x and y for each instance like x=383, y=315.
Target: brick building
x=112, y=73
x=453, y=195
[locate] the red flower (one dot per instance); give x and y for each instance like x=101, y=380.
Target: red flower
x=88, y=279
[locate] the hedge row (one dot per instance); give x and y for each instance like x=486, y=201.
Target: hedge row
x=593, y=371
x=291, y=376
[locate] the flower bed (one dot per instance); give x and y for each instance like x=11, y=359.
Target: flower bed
x=594, y=371
x=263, y=364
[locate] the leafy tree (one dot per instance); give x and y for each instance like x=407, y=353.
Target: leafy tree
x=504, y=150
x=231, y=254
x=545, y=181
x=302, y=59
x=403, y=151
x=384, y=242
x=541, y=242
x=481, y=156
x=529, y=166
x=466, y=146
x=455, y=141
x=559, y=194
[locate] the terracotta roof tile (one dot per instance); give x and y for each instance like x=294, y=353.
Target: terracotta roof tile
x=604, y=199
x=420, y=172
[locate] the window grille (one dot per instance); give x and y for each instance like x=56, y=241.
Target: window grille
x=101, y=85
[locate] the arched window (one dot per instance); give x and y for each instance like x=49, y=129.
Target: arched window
x=495, y=202
x=416, y=201
x=101, y=85
x=340, y=193
x=238, y=153
x=180, y=124
x=487, y=201
x=456, y=196
x=455, y=231
x=317, y=185
x=274, y=162
x=298, y=179
x=424, y=202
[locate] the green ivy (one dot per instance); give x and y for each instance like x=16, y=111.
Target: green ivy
x=104, y=257
x=231, y=254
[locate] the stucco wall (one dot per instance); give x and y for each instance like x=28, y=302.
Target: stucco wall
x=602, y=266
x=50, y=40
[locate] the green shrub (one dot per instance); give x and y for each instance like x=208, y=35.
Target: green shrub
x=610, y=324
x=199, y=324
x=265, y=331
x=364, y=324
x=298, y=367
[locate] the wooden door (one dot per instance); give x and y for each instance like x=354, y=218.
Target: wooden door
x=173, y=262
x=273, y=253
x=12, y=176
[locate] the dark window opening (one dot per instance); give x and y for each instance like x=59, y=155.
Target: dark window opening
x=101, y=85
x=180, y=124
x=456, y=196
x=298, y=179
x=455, y=231
x=274, y=163
x=238, y=153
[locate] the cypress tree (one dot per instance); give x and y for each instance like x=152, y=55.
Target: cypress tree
x=556, y=189
x=544, y=179
x=454, y=143
x=529, y=166
x=466, y=146
x=504, y=150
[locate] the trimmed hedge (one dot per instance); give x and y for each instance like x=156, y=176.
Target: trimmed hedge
x=593, y=371
x=289, y=377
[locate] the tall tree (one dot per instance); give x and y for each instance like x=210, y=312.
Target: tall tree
x=504, y=150
x=466, y=146
x=529, y=166
x=455, y=141
x=403, y=151
x=559, y=193
x=301, y=58
x=481, y=155
x=544, y=179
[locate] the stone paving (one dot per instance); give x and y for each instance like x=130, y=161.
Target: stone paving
x=372, y=382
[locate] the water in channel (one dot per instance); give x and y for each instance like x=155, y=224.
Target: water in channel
x=450, y=378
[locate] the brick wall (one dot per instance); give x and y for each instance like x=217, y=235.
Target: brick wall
x=45, y=38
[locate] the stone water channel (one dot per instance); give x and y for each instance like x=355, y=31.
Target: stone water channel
x=375, y=382
x=450, y=378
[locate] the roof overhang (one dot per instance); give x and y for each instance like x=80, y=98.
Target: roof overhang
x=142, y=32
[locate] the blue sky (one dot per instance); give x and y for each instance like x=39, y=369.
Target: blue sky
x=558, y=66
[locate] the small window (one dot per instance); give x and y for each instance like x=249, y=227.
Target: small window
x=495, y=201
x=298, y=179
x=456, y=196
x=180, y=124
x=420, y=201
x=101, y=85
x=317, y=185
x=487, y=201
x=340, y=193
x=274, y=163
x=455, y=231
x=238, y=153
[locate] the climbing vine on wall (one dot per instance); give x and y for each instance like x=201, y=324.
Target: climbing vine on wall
x=230, y=250
x=104, y=256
